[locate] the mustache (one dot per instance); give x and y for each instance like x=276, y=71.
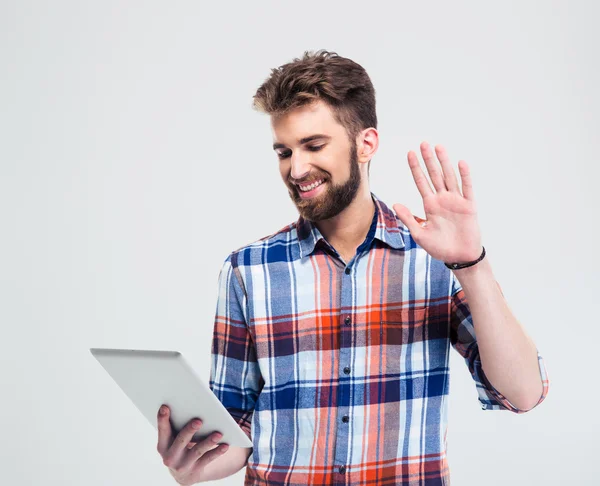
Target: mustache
x=304, y=180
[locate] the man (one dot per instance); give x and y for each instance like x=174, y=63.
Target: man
x=332, y=336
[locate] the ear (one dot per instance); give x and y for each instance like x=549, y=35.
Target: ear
x=367, y=144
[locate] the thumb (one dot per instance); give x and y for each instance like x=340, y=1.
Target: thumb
x=408, y=219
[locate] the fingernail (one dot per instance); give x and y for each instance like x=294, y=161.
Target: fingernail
x=163, y=410
x=196, y=424
x=224, y=447
x=216, y=437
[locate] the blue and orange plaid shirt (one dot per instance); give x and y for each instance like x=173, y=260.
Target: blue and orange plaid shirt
x=339, y=372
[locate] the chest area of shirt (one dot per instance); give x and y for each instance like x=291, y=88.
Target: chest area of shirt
x=319, y=304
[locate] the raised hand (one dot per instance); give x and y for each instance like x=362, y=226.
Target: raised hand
x=450, y=232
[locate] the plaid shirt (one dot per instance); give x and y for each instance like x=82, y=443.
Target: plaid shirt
x=339, y=372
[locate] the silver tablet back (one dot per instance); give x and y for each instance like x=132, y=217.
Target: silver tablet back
x=151, y=378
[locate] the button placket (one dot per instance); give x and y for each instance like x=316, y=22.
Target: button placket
x=346, y=344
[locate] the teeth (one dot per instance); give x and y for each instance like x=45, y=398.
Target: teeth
x=311, y=186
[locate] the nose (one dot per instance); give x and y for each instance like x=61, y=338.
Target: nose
x=300, y=166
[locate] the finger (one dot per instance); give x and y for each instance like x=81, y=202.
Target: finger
x=200, y=449
x=408, y=219
x=433, y=167
x=465, y=175
x=211, y=455
x=418, y=175
x=183, y=439
x=449, y=176
x=165, y=433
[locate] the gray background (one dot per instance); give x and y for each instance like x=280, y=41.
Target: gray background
x=131, y=164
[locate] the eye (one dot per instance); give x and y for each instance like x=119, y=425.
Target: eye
x=285, y=155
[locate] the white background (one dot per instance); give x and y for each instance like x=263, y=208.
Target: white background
x=131, y=164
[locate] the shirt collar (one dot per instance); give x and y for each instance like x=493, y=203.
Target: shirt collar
x=384, y=219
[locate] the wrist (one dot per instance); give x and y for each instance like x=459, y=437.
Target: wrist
x=465, y=276
x=461, y=265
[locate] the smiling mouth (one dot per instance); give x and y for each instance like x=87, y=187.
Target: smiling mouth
x=311, y=186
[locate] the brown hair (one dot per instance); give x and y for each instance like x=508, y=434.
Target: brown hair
x=323, y=75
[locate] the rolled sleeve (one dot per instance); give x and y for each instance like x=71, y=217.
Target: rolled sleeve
x=235, y=376
x=490, y=391
x=463, y=339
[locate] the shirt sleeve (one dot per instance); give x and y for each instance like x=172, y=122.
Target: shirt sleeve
x=463, y=339
x=235, y=376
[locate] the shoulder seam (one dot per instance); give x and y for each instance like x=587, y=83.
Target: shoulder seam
x=236, y=272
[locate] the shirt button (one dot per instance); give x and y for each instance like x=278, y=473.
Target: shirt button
x=347, y=370
x=342, y=469
x=347, y=320
x=348, y=271
x=345, y=419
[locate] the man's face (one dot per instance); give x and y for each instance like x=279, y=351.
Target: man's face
x=326, y=167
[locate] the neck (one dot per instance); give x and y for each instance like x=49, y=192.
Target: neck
x=346, y=231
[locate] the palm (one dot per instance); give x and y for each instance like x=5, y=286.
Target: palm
x=451, y=232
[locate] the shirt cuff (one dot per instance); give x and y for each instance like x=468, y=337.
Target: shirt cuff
x=491, y=399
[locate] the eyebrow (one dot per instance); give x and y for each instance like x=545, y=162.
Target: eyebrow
x=318, y=136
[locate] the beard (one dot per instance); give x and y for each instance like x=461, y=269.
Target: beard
x=334, y=198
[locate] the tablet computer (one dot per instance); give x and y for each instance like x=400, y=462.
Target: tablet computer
x=152, y=378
